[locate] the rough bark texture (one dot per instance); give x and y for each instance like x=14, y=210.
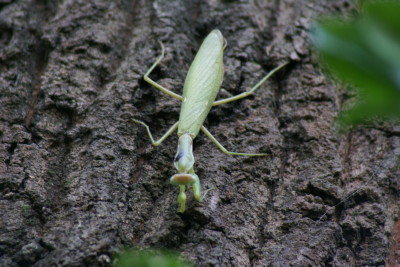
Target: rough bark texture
x=79, y=180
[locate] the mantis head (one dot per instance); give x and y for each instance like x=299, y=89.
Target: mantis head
x=183, y=162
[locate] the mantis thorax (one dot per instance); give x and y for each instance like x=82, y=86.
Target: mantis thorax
x=184, y=158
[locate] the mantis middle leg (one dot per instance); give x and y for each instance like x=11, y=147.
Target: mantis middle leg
x=156, y=85
x=223, y=149
x=247, y=93
x=159, y=141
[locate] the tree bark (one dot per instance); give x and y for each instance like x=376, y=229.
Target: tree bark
x=79, y=180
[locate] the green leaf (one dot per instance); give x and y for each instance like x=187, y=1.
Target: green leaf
x=365, y=52
x=150, y=258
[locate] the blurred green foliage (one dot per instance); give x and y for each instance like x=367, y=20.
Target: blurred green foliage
x=365, y=52
x=150, y=258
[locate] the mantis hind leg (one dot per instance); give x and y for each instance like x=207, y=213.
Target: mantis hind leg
x=247, y=93
x=156, y=85
x=159, y=141
x=223, y=149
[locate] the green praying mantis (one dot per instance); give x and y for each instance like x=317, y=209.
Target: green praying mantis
x=201, y=87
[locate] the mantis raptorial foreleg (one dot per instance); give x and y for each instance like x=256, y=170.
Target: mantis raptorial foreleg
x=156, y=85
x=247, y=93
x=223, y=149
x=159, y=141
x=182, y=198
x=196, y=192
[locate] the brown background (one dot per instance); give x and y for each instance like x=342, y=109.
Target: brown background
x=78, y=179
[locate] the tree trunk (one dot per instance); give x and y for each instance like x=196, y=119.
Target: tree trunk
x=79, y=180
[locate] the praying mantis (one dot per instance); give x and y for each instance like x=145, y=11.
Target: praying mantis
x=201, y=87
